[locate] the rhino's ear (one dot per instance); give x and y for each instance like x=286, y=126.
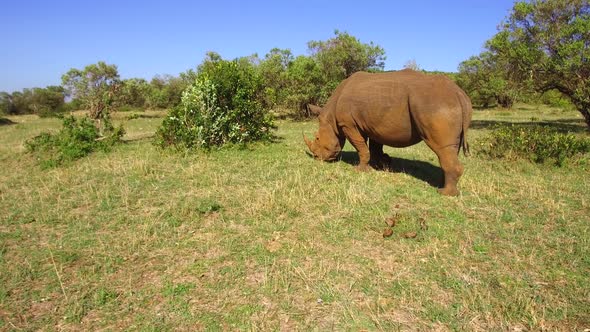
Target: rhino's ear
x=313, y=109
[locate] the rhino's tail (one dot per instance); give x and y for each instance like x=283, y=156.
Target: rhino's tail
x=466, y=111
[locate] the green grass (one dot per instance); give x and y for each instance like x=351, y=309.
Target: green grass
x=266, y=238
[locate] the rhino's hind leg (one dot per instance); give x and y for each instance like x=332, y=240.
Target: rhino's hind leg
x=452, y=168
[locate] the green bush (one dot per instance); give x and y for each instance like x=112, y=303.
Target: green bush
x=45, y=112
x=554, y=98
x=77, y=139
x=219, y=108
x=535, y=143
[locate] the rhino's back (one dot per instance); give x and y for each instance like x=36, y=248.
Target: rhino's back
x=399, y=87
x=395, y=108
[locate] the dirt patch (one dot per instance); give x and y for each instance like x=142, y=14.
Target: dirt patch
x=42, y=308
x=410, y=235
x=273, y=245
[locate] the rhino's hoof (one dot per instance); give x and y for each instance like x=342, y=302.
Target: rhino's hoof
x=363, y=168
x=449, y=191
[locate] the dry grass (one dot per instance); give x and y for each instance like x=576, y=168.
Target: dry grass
x=268, y=239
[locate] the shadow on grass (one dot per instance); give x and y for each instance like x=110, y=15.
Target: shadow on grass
x=139, y=138
x=418, y=169
x=6, y=122
x=560, y=125
x=142, y=116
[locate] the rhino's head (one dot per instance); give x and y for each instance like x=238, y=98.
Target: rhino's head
x=327, y=144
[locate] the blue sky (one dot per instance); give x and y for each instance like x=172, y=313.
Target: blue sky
x=41, y=40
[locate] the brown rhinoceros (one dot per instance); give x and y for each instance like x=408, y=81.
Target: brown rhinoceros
x=397, y=109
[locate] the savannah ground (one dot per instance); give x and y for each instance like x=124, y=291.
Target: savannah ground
x=266, y=238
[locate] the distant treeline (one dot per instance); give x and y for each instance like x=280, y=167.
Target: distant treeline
x=285, y=82
x=541, y=54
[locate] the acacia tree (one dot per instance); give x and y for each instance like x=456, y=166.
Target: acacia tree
x=95, y=87
x=547, y=44
x=133, y=92
x=487, y=81
x=412, y=64
x=273, y=70
x=341, y=56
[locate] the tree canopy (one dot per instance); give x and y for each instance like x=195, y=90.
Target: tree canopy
x=543, y=46
x=95, y=87
x=486, y=81
x=343, y=55
x=42, y=101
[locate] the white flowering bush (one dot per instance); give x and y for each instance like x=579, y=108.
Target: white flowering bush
x=219, y=108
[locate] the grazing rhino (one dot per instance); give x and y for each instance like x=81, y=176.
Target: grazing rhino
x=397, y=109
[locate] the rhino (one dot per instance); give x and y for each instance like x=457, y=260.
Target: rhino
x=396, y=109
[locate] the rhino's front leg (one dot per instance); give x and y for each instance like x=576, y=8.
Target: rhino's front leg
x=360, y=144
x=379, y=160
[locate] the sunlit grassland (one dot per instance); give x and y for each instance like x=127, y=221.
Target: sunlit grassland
x=266, y=238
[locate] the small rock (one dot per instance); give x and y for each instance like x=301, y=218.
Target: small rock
x=387, y=232
x=391, y=221
x=410, y=235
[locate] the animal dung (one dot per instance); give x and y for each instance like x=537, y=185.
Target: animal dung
x=387, y=232
x=410, y=235
x=391, y=221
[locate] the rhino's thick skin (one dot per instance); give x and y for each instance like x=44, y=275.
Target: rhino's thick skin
x=397, y=109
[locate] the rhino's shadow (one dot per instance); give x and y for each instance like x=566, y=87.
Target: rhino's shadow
x=418, y=169
x=6, y=122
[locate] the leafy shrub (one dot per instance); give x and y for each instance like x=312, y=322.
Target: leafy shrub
x=219, y=108
x=77, y=139
x=535, y=143
x=45, y=112
x=556, y=99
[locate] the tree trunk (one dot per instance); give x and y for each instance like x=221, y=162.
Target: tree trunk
x=586, y=114
x=584, y=108
x=505, y=101
x=582, y=104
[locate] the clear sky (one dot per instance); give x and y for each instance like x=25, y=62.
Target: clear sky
x=41, y=40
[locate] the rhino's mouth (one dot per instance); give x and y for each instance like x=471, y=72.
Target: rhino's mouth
x=333, y=158
x=329, y=157
x=325, y=159
x=321, y=153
